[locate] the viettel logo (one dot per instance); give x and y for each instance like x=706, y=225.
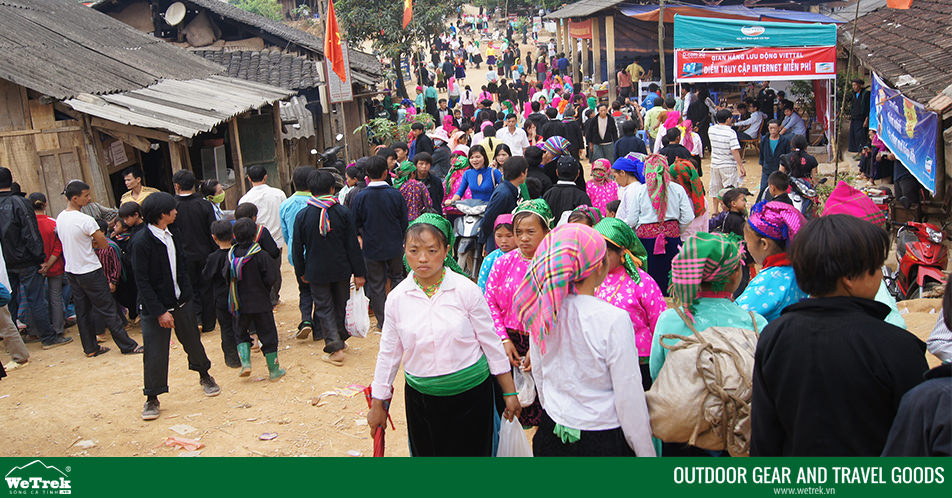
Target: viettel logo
x=37, y=478
x=753, y=30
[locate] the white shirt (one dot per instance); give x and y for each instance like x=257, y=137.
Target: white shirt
x=268, y=200
x=640, y=212
x=75, y=230
x=623, y=196
x=467, y=98
x=436, y=336
x=4, y=278
x=517, y=140
x=165, y=237
x=723, y=141
x=589, y=378
x=755, y=120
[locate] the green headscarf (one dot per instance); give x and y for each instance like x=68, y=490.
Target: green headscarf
x=403, y=171
x=537, y=206
x=592, y=101
x=461, y=162
x=620, y=234
x=704, y=257
x=443, y=225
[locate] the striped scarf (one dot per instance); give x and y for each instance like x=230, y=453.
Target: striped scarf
x=656, y=181
x=684, y=173
x=323, y=203
x=705, y=257
x=568, y=254
x=461, y=162
x=621, y=235
x=236, y=266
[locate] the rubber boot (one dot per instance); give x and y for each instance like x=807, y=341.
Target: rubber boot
x=244, y=354
x=274, y=370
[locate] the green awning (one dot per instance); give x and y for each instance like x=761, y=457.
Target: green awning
x=707, y=33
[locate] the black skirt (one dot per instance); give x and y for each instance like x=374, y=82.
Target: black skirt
x=610, y=443
x=459, y=425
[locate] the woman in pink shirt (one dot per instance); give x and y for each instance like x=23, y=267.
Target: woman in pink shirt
x=438, y=324
x=601, y=188
x=531, y=221
x=629, y=288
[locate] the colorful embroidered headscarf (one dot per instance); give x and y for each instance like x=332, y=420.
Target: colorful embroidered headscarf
x=556, y=145
x=656, y=181
x=566, y=255
x=687, y=134
x=631, y=164
x=684, y=173
x=594, y=215
x=620, y=234
x=776, y=220
x=444, y=226
x=537, y=207
x=461, y=162
x=600, y=170
x=403, y=172
x=845, y=199
x=705, y=257
x=502, y=219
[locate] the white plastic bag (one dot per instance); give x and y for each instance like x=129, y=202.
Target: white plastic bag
x=512, y=440
x=357, y=317
x=525, y=386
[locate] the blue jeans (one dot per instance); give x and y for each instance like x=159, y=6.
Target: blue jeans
x=35, y=293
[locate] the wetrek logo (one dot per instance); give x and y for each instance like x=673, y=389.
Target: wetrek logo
x=37, y=478
x=753, y=30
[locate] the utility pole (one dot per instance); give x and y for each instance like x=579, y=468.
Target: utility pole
x=664, y=89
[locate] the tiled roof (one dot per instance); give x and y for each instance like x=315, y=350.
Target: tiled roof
x=270, y=67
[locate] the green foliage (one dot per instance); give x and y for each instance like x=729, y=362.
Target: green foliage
x=266, y=8
x=382, y=23
x=802, y=90
x=384, y=131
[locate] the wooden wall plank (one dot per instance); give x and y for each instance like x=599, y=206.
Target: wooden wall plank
x=42, y=115
x=13, y=115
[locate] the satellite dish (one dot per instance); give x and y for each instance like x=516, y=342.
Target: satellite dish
x=175, y=13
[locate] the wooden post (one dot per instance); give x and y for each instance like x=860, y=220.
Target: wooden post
x=558, y=35
x=664, y=88
x=176, y=156
x=610, y=49
x=281, y=156
x=567, y=43
x=586, y=44
x=597, y=50
x=236, y=151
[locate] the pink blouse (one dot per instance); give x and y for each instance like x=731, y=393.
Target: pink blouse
x=508, y=272
x=643, y=302
x=455, y=180
x=602, y=194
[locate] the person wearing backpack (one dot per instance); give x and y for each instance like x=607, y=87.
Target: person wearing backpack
x=703, y=277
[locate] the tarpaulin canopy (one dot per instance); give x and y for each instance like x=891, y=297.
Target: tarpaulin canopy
x=705, y=33
x=650, y=13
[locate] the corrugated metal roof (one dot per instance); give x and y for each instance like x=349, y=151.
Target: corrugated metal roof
x=185, y=108
x=297, y=119
x=583, y=8
x=62, y=49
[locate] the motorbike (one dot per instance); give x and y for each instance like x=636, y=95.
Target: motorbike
x=329, y=159
x=804, y=196
x=921, y=260
x=468, y=253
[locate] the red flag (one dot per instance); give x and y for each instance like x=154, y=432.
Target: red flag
x=333, y=50
x=899, y=4
x=407, y=12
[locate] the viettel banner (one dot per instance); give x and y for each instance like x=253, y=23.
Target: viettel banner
x=908, y=129
x=755, y=64
x=708, y=32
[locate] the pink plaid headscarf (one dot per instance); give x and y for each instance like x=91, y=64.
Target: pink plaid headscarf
x=776, y=220
x=569, y=253
x=846, y=199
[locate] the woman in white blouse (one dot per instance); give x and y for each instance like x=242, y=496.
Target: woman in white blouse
x=582, y=353
x=438, y=323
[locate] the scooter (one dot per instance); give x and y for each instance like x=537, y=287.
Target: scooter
x=804, y=196
x=329, y=159
x=468, y=253
x=921, y=261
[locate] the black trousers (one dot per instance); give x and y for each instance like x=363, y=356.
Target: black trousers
x=378, y=272
x=226, y=322
x=93, y=300
x=610, y=443
x=460, y=425
x=156, y=338
x=276, y=288
x=203, y=300
x=306, y=305
x=330, y=305
x=859, y=135
x=908, y=186
x=263, y=324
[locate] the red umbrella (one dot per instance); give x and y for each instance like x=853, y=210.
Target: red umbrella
x=379, y=444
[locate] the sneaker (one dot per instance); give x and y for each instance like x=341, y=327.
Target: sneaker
x=70, y=321
x=59, y=341
x=209, y=386
x=28, y=339
x=151, y=410
x=304, y=330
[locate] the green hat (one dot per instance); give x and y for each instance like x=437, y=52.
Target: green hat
x=538, y=207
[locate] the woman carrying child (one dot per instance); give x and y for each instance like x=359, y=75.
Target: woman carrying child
x=438, y=324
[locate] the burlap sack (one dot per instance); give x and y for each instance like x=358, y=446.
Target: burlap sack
x=702, y=394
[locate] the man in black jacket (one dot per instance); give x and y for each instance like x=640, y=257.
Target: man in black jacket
x=164, y=292
x=573, y=131
x=434, y=186
x=194, y=223
x=422, y=142
x=325, y=257
x=537, y=117
x=553, y=126
x=23, y=254
x=601, y=133
x=503, y=200
x=672, y=148
x=565, y=195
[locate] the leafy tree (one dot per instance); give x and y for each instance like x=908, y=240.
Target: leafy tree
x=267, y=8
x=382, y=24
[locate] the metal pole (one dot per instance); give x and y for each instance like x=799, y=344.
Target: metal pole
x=664, y=90
x=849, y=69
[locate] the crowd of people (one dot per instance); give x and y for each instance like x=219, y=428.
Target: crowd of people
x=590, y=285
